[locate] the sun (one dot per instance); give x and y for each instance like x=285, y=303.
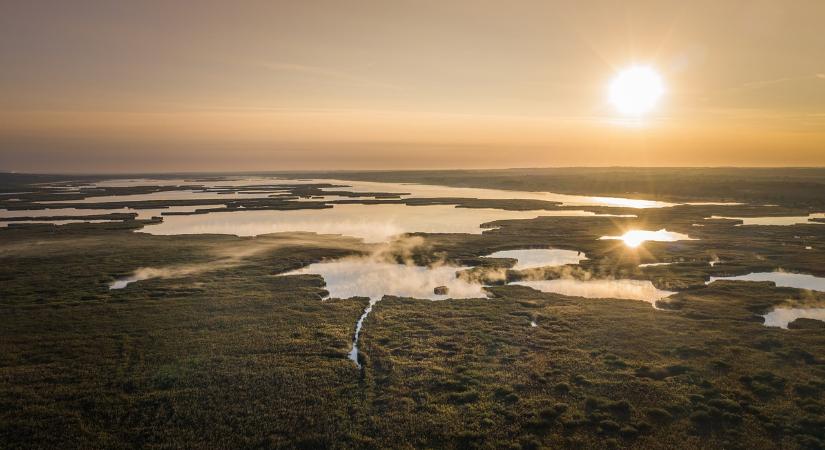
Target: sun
x=636, y=90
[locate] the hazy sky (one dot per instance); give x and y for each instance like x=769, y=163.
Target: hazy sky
x=173, y=85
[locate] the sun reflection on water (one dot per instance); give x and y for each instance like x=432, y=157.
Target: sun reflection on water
x=635, y=238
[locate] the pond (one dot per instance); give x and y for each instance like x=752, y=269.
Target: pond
x=601, y=288
x=776, y=220
x=781, y=317
x=532, y=258
x=635, y=238
x=781, y=279
x=373, y=278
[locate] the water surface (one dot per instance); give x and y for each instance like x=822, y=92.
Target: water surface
x=622, y=289
x=776, y=220
x=169, y=195
x=781, y=317
x=4, y=224
x=373, y=223
x=142, y=214
x=404, y=190
x=781, y=279
x=634, y=238
x=368, y=277
x=532, y=258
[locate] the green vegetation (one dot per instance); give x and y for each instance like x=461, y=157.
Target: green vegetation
x=228, y=354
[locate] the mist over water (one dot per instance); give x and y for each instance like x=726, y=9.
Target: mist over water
x=601, y=288
x=227, y=256
x=374, y=276
x=145, y=273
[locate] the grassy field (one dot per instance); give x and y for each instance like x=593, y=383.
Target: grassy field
x=225, y=353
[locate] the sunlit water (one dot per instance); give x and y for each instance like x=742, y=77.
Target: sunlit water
x=778, y=220
x=142, y=214
x=373, y=223
x=621, y=289
x=635, y=238
x=782, y=317
x=408, y=191
x=433, y=191
x=367, y=277
x=781, y=279
x=4, y=224
x=655, y=264
x=532, y=258
x=121, y=283
x=205, y=182
x=171, y=195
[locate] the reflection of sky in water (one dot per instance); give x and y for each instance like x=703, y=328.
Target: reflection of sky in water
x=781, y=317
x=53, y=222
x=430, y=191
x=415, y=190
x=141, y=213
x=165, y=195
x=623, y=289
x=531, y=258
x=782, y=279
x=373, y=223
x=206, y=182
x=365, y=277
x=779, y=220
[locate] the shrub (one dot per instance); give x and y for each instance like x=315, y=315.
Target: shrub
x=608, y=426
x=725, y=404
x=463, y=397
x=628, y=432
x=621, y=407
x=644, y=427
x=658, y=415
x=701, y=419
x=580, y=380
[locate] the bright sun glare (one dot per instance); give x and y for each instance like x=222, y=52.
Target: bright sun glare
x=634, y=238
x=636, y=90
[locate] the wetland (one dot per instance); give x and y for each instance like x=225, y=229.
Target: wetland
x=577, y=308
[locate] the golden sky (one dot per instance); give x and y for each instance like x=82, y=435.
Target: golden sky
x=272, y=85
